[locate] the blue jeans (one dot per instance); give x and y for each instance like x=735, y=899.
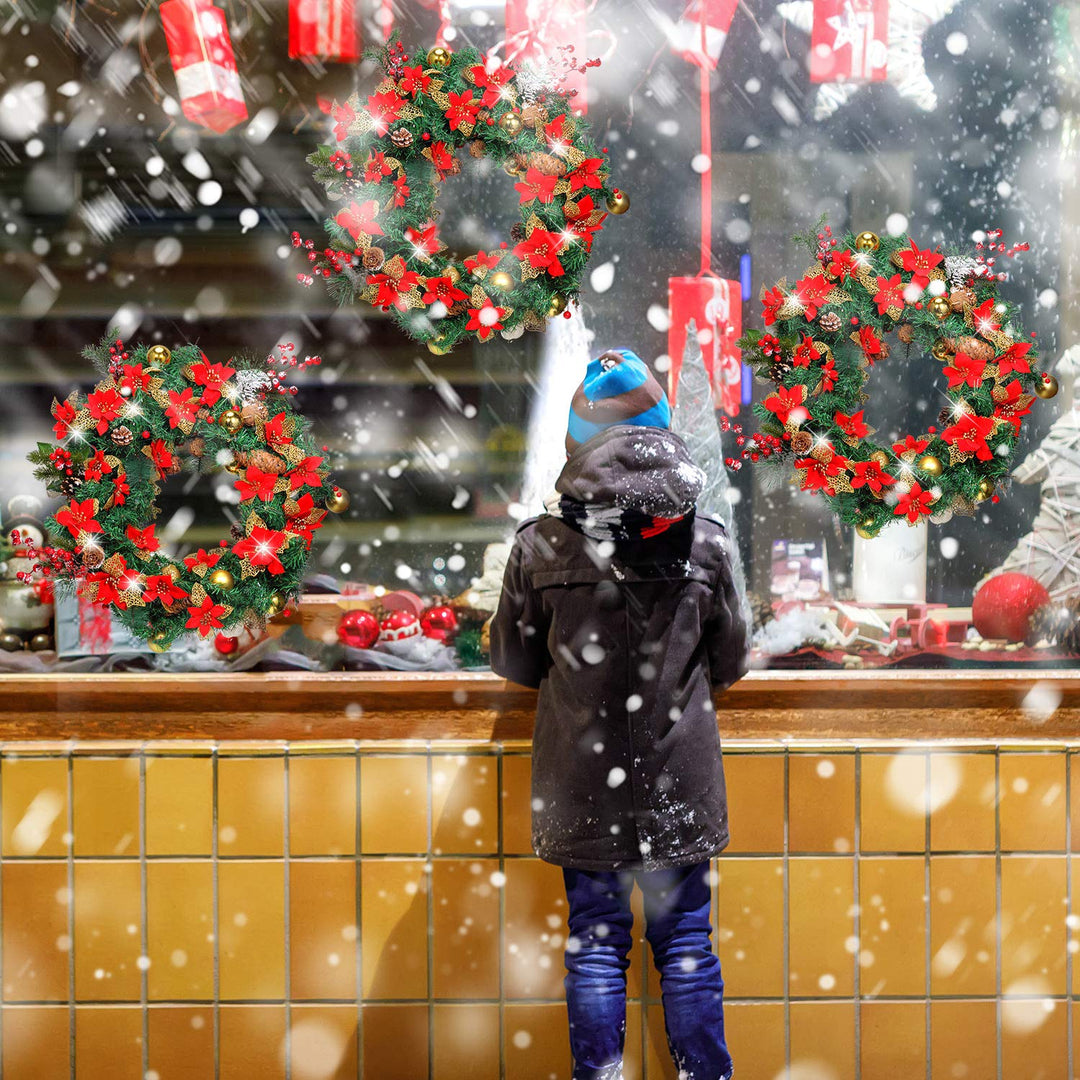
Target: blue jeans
x=678, y=929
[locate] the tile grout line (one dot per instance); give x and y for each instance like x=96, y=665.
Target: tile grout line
x=429, y=868
x=499, y=825
x=357, y=844
x=70, y=819
x=927, y=803
x=786, y=887
x=215, y=925
x=287, y=928
x=997, y=912
x=856, y=849
x=144, y=903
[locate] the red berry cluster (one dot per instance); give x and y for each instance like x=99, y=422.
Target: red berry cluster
x=285, y=356
x=395, y=59
x=342, y=161
x=47, y=561
x=335, y=262
x=118, y=354
x=61, y=460
x=826, y=243
x=755, y=447
x=994, y=243
x=770, y=346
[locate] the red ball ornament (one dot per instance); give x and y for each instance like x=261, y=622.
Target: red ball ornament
x=1005, y=604
x=399, y=625
x=439, y=623
x=226, y=645
x=358, y=629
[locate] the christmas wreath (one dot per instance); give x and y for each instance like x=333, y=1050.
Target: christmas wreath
x=392, y=151
x=825, y=332
x=157, y=412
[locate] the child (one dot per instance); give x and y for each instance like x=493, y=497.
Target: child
x=618, y=605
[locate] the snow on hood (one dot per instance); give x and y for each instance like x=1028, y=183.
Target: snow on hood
x=639, y=468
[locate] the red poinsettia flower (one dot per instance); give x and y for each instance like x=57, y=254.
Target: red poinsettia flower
x=359, y=218
x=391, y=291
x=384, y=109
x=964, y=370
x=541, y=249
x=306, y=474
x=771, y=302
x=810, y=292
x=143, y=539
x=306, y=520
x=401, y=191
x=444, y=290
x=910, y=445
x=1010, y=406
x=425, y=240
x=919, y=263
x=182, y=407
x=482, y=260
x=212, y=377
x=852, y=425
x=107, y=592
x=64, y=413
x=581, y=228
x=1014, y=358
x=491, y=77
x=828, y=375
x=805, y=353
x=969, y=433
x=486, y=319
x=583, y=208
x=96, y=467
x=914, y=503
x=206, y=617
x=256, y=484
x=870, y=474
x=841, y=264
x=871, y=345
x=788, y=405
x=78, y=517
x=587, y=174
x=983, y=315
x=413, y=81
x=376, y=167
x=162, y=587
x=121, y=489
x=462, y=109
x=555, y=130
x=890, y=293
x=820, y=473
x=536, y=185
x=105, y=405
x=344, y=118
x=442, y=159
x=135, y=378
x=262, y=548
x=274, y=430
x=209, y=559
x=162, y=457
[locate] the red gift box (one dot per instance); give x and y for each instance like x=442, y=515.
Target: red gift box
x=323, y=30
x=715, y=305
x=686, y=35
x=202, y=57
x=849, y=41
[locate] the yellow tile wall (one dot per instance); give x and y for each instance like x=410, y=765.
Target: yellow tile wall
x=342, y=910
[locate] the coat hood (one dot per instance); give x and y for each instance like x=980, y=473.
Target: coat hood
x=633, y=468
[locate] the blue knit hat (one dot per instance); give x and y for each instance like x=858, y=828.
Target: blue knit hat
x=618, y=388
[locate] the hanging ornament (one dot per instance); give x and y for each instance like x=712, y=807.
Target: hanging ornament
x=358, y=629
x=323, y=30
x=202, y=56
x=849, y=49
x=687, y=39
x=541, y=33
x=715, y=306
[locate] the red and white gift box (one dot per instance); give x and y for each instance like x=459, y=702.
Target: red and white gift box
x=323, y=30
x=686, y=34
x=849, y=41
x=202, y=56
x=715, y=305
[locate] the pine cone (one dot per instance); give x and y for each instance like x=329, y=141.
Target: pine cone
x=267, y=462
x=236, y=531
x=548, y=164
x=961, y=298
x=476, y=148
x=801, y=441
x=532, y=115
x=122, y=435
x=253, y=411
x=374, y=258
x=197, y=447
x=69, y=485
x=92, y=557
x=517, y=232
x=779, y=370
x=401, y=138
x=906, y=333
x=976, y=349
x=830, y=322
x=945, y=417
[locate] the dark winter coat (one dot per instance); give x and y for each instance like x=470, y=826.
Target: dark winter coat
x=626, y=642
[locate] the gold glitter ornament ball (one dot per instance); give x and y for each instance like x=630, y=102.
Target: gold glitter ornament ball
x=867, y=241
x=439, y=57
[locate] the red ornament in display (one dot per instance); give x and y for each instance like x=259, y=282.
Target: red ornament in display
x=399, y=625
x=226, y=644
x=439, y=623
x=358, y=629
x=1005, y=604
x=202, y=56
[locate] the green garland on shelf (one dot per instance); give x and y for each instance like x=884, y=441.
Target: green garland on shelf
x=824, y=334
x=156, y=413
x=391, y=152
